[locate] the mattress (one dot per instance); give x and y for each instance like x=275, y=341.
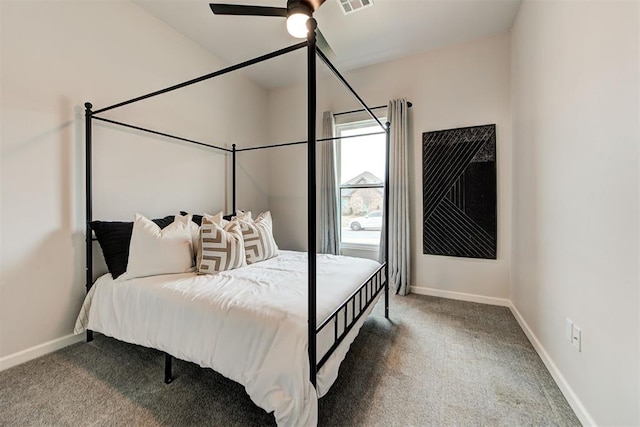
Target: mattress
x=248, y=324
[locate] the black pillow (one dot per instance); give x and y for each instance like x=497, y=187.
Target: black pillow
x=164, y=222
x=195, y=218
x=114, y=238
x=198, y=218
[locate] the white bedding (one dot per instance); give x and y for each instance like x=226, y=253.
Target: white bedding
x=249, y=324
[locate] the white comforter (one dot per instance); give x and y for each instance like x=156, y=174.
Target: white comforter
x=248, y=324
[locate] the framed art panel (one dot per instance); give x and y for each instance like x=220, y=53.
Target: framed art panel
x=459, y=192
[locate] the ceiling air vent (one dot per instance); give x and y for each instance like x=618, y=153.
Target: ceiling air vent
x=350, y=6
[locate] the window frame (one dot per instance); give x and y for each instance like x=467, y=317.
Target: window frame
x=338, y=128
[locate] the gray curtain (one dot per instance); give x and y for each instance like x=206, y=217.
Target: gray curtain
x=399, y=246
x=329, y=237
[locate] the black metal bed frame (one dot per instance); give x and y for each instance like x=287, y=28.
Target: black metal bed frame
x=361, y=298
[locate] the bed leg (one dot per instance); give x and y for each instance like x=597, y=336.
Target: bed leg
x=167, y=369
x=89, y=335
x=386, y=299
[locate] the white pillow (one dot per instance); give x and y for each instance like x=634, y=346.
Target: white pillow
x=222, y=248
x=259, y=243
x=244, y=216
x=194, y=231
x=155, y=251
x=217, y=218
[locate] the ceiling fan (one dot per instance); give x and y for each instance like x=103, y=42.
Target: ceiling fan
x=297, y=13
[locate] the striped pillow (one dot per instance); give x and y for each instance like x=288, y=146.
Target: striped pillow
x=221, y=248
x=258, y=238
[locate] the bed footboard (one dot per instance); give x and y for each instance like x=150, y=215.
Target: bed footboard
x=358, y=302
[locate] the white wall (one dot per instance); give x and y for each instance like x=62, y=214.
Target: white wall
x=56, y=56
x=458, y=86
x=576, y=131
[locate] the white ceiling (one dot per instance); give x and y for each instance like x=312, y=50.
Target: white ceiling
x=389, y=30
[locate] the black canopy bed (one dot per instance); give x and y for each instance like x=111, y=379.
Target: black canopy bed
x=332, y=317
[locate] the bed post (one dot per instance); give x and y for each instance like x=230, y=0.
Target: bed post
x=88, y=203
x=233, y=179
x=311, y=192
x=386, y=221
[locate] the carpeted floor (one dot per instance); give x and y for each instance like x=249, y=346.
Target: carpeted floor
x=437, y=362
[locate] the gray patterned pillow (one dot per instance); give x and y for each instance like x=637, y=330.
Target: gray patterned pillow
x=258, y=238
x=221, y=248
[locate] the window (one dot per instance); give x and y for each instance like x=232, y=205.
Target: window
x=361, y=171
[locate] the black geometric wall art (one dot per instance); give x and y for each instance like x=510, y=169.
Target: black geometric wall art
x=459, y=192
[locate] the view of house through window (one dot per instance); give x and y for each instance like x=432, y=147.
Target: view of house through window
x=361, y=176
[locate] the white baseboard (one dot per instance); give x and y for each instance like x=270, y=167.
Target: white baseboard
x=420, y=290
x=575, y=403
x=14, y=359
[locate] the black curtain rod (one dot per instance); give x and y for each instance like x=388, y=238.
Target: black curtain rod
x=379, y=107
x=304, y=142
x=160, y=133
x=347, y=85
x=208, y=76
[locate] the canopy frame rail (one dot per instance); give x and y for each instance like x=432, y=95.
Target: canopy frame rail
x=166, y=135
x=221, y=72
x=346, y=84
x=285, y=144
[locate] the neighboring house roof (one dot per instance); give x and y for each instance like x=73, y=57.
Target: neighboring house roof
x=364, y=178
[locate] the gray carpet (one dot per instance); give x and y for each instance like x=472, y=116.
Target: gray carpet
x=437, y=362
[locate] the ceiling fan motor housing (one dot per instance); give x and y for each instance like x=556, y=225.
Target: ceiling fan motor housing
x=299, y=6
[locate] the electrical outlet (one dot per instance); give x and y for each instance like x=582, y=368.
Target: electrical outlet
x=576, y=338
x=568, y=331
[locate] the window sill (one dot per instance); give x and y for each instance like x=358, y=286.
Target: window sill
x=360, y=247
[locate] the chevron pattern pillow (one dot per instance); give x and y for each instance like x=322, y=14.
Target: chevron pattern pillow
x=221, y=248
x=258, y=238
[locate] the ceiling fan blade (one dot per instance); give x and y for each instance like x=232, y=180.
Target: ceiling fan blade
x=314, y=4
x=323, y=45
x=238, y=9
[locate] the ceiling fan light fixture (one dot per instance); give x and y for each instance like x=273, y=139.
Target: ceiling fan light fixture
x=297, y=24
